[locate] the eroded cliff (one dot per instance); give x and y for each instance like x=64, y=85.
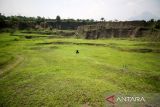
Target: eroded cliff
x=118, y=29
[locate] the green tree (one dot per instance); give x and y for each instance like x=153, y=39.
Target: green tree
x=152, y=20
x=58, y=22
x=102, y=19
x=2, y=21
x=58, y=19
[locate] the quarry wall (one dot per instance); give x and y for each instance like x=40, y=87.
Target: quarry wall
x=116, y=29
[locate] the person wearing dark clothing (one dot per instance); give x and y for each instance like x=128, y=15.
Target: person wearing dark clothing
x=77, y=51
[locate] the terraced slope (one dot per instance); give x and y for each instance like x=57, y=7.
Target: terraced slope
x=48, y=72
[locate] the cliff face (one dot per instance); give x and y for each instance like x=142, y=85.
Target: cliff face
x=115, y=29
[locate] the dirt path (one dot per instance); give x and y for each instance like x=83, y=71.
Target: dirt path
x=11, y=65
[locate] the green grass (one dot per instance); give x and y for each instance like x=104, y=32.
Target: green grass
x=5, y=58
x=53, y=75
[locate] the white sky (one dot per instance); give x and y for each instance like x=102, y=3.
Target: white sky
x=83, y=9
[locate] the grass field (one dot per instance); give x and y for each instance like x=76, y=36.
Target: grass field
x=44, y=71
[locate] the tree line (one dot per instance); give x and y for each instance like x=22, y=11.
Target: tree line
x=23, y=22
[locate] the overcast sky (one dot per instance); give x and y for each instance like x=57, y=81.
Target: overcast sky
x=83, y=9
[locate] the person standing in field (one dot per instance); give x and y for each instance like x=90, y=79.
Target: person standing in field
x=77, y=51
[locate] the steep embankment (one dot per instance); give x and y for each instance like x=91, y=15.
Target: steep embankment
x=119, y=29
